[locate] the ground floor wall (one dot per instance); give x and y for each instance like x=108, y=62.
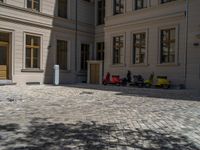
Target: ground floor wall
x=48, y=57
x=193, y=51
x=174, y=71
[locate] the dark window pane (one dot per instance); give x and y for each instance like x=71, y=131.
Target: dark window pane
x=168, y=45
x=139, y=48
x=62, y=49
x=117, y=49
x=85, y=48
x=62, y=8
x=32, y=51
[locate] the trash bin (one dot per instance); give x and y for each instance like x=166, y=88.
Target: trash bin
x=56, y=74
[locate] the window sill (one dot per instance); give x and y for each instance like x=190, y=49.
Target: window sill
x=139, y=65
x=117, y=65
x=32, y=70
x=168, y=65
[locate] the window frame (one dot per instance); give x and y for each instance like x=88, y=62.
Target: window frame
x=114, y=8
x=102, y=52
x=136, y=8
x=122, y=52
x=40, y=6
x=168, y=1
x=67, y=65
x=103, y=9
x=176, y=51
x=68, y=10
x=134, y=50
x=89, y=51
x=40, y=53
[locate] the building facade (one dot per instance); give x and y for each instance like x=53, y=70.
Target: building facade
x=143, y=36
x=36, y=34
x=159, y=36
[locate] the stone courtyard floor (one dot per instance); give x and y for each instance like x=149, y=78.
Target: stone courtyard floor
x=89, y=117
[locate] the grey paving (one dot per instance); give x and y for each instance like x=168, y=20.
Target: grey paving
x=89, y=117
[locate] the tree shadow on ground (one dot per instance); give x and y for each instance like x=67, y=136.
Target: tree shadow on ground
x=170, y=94
x=44, y=135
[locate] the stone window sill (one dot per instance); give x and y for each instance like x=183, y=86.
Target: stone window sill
x=32, y=70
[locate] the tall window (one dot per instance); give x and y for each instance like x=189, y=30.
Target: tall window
x=100, y=51
x=62, y=8
x=117, y=49
x=139, y=48
x=85, y=51
x=168, y=42
x=100, y=12
x=62, y=54
x=140, y=4
x=32, y=51
x=33, y=4
x=118, y=7
x=165, y=1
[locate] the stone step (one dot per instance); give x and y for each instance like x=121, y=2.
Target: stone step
x=6, y=82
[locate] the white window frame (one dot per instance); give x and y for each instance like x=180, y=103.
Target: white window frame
x=41, y=67
x=40, y=9
x=146, y=31
x=113, y=14
x=176, y=45
x=123, y=54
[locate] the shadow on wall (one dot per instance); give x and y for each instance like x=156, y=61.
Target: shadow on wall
x=44, y=135
x=51, y=52
x=58, y=32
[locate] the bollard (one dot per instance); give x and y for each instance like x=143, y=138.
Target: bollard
x=56, y=74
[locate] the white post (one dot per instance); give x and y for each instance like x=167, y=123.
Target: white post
x=56, y=75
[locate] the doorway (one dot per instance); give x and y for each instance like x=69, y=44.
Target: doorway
x=94, y=73
x=4, y=56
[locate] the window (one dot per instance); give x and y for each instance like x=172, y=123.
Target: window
x=33, y=4
x=62, y=54
x=139, y=48
x=118, y=7
x=100, y=51
x=166, y=1
x=85, y=51
x=62, y=8
x=100, y=12
x=32, y=51
x=140, y=4
x=168, y=42
x=117, y=49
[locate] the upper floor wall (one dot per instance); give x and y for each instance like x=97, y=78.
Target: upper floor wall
x=49, y=8
x=132, y=10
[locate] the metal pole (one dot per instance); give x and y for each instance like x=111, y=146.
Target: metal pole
x=76, y=35
x=186, y=40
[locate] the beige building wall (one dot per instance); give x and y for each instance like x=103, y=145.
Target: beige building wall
x=193, y=57
x=16, y=19
x=149, y=20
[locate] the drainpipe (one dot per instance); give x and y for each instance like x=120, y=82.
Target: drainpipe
x=186, y=41
x=76, y=35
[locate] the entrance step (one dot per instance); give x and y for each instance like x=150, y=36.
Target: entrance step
x=6, y=82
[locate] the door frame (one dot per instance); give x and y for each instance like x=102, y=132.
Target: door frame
x=100, y=63
x=6, y=44
x=10, y=54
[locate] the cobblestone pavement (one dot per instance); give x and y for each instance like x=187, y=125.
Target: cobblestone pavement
x=88, y=117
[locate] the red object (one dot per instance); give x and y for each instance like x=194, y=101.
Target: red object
x=115, y=79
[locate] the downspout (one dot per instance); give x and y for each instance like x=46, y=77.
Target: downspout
x=186, y=41
x=76, y=34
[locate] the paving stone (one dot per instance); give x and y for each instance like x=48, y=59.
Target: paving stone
x=92, y=117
